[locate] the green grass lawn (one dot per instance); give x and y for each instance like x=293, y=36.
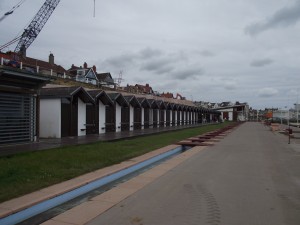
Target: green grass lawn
x=26, y=172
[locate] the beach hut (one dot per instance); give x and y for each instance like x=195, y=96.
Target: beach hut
x=153, y=114
x=63, y=112
x=135, y=113
x=99, y=111
x=120, y=116
x=145, y=114
x=162, y=113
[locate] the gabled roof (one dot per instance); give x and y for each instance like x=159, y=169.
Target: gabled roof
x=167, y=95
x=153, y=103
x=88, y=72
x=132, y=100
x=161, y=104
x=175, y=107
x=144, y=102
x=91, y=74
x=32, y=62
x=67, y=92
x=105, y=77
x=119, y=98
x=225, y=104
x=144, y=88
x=170, y=106
x=102, y=96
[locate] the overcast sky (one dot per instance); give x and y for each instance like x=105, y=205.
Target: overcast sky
x=208, y=50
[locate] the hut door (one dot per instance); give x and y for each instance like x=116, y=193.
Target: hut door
x=137, y=118
x=90, y=119
x=124, y=118
x=65, y=117
x=146, y=118
x=110, y=119
x=155, y=117
x=225, y=116
x=74, y=117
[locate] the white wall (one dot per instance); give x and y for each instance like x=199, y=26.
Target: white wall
x=230, y=113
x=102, y=117
x=181, y=117
x=175, y=117
x=50, y=118
x=118, y=117
x=151, y=118
x=131, y=112
x=143, y=118
x=81, y=118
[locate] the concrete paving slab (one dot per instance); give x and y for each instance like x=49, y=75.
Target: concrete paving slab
x=53, y=222
x=83, y=213
x=115, y=195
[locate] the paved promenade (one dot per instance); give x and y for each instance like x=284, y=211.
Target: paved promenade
x=252, y=177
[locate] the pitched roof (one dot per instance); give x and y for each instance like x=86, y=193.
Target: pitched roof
x=153, y=103
x=105, y=77
x=32, y=62
x=161, y=104
x=144, y=88
x=102, y=96
x=132, y=100
x=65, y=92
x=119, y=98
x=144, y=102
x=167, y=95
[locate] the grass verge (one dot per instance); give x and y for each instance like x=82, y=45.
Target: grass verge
x=27, y=172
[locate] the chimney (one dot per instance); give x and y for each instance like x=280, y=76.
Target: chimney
x=94, y=68
x=147, y=85
x=51, y=59
x=85, y=65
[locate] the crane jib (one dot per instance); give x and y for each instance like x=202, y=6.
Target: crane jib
x=36, y=25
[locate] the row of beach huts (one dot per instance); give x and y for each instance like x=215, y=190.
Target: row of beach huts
x=75, y=111
x=28, y=111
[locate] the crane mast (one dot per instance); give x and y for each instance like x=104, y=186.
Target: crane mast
x=36, y=25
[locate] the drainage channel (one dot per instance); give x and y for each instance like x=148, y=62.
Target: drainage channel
x=47, y=209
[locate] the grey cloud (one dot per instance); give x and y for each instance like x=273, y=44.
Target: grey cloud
x=159, y=66
x=187, y=73
x=120, y=61
x=149, y=53
x=130, y=58
x=284, y=17
x=230, y=85
x=261, y=62
x=267, y=92
x=206, y=53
